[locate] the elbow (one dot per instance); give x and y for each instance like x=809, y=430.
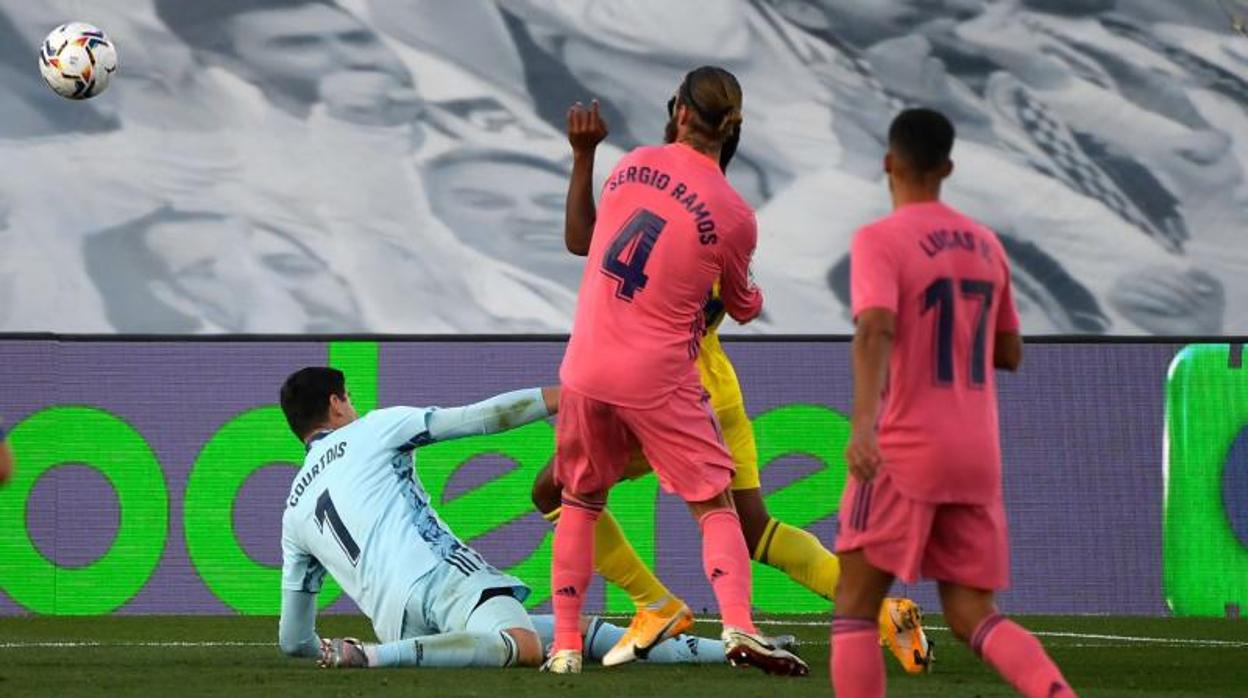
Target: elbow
x=875, y=336
x=875, y=329
x=578, y=234
x=873, y=341
x=746, y=310
x=744, y=316
x=880, y=335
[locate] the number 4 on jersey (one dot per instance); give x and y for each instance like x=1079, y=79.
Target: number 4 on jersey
x=626, y=258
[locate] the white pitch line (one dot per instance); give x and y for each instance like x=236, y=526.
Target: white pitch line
x=1130, y=639
x=1197, y=642
x=72, y=644
x=1127, y=639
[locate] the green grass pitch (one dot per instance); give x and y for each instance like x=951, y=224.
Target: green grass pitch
x=237, y=657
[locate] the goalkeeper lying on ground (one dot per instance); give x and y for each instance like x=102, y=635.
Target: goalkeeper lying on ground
x=358, y=511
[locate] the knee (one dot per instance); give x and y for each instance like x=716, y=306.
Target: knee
x=861, y=588
x=528, y=647
x=546, y=492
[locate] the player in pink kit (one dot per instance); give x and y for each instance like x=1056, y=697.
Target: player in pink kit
x=935, y=314
x=669, y=226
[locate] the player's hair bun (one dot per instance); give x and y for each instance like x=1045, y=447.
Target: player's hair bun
x=716, y=98
x=732, y=121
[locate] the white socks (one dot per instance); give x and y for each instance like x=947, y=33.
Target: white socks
x=461, y=649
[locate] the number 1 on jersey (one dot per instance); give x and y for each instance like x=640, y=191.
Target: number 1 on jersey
x=325, y=511
x=643, y=227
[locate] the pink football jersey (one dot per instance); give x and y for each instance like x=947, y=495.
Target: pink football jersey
x=669, y=225
x=947, y=279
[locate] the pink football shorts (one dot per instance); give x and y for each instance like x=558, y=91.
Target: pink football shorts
x=964, y=544
x=681, y=439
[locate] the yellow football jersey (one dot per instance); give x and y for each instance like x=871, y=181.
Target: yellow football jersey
x=718, y=376
x=720, y=380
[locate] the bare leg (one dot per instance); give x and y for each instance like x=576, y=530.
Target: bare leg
x=753, y=513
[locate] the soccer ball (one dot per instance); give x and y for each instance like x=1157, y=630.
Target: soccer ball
x=77, y=60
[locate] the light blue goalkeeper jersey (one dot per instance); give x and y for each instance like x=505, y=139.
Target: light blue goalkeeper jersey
x=358, y=511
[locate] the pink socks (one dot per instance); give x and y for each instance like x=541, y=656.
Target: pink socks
x=1017, y=655
x=857, y=663
x=571, y=568
x=727, y=564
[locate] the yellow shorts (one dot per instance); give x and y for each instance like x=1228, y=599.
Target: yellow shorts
x=720, y=380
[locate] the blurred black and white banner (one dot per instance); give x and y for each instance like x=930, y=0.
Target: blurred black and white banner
x=289, y=166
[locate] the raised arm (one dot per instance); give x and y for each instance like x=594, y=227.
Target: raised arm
x=499, y=413
x=586, y=129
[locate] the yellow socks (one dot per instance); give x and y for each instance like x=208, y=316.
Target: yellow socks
x=800, y=555
x=618, y=563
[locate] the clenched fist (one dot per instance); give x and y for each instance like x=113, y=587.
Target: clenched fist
x=586, y=127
